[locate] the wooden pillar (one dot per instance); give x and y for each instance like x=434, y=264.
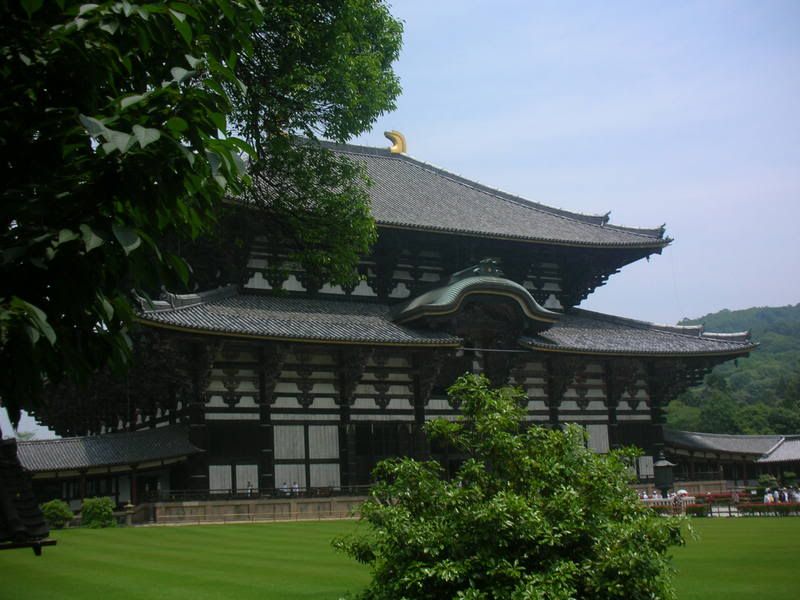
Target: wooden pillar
x=351, y=363
x=82, y=484
x=197, y=465
x=427, y=365
x=561, y=371
x=134, y=487
x=271, y=358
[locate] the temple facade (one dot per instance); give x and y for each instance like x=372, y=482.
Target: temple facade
x=292, y=381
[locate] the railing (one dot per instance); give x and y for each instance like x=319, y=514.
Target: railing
x=255, y=493
x=240, y=517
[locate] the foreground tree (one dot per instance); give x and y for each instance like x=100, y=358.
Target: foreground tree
x=531, y=513
x=115, y=136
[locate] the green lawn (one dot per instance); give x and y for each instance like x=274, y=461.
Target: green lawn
x=740, y=558
x=264, y=561
x=733, y=558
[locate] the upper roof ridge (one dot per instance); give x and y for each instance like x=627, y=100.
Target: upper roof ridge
x=588, y=219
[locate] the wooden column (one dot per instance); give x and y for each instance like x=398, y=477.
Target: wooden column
x=270, y=362
x=561, y=372
x=619, y=375
x=665, y=378
x=427, y=366
x=351, y=363
x=197, y=465
x=134, y=487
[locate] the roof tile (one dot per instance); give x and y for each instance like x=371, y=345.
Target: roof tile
x=67, y=454
x=585, y=331
x=410, y=193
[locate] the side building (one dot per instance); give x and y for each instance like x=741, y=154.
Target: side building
x=291, y=380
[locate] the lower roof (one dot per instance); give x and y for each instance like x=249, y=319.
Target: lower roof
x=582, y=331
x=108, y=450
x=290, y=318
x=228, y=312
x=766, y=448
x=721, y=442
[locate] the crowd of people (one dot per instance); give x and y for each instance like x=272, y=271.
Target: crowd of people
x=782, y=495
x=657, y=495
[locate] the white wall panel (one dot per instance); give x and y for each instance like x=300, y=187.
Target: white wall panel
x=323, y=441
x=220, y=478
x=598, y=438
x=646, y=467
x=289, y=442
x=325, y=476
x=246, y=474
x=290, y=474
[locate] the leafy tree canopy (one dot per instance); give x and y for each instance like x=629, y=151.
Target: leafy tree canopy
x=124, y=126
x=757, y=395
x=531, y=513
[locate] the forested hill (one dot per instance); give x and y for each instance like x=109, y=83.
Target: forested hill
x=759, y=395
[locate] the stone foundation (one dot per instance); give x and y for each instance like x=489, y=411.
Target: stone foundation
x=257, y=509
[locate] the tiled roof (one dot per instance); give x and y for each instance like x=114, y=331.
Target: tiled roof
x=291, y=318
x=769, y=448
x=787, y=451
x=717, y=442
x=411, y=193
x=68, y=454
x=585, y=331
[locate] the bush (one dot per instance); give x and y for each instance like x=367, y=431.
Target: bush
x=98, y=513
x=765, y=480
x=662, y=510
x=772, y=510
x=57, y=513
x=531, y=513
x=698, y=510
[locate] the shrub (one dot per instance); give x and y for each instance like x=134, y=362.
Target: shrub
x=57, y=513
x=531, y=513
x=98, y=513
x=697, y=510
x=662, y=510
x=765, y=480
x=772, y=510
x=789, y=478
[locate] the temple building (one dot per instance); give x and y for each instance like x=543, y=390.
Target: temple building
x=292, y=380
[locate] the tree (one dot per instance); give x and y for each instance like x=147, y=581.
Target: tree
x=531, y=513
x=117, y=145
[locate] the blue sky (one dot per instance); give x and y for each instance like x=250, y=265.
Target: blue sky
x=682, y=113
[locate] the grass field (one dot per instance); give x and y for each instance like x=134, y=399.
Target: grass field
x=733, y=558
x=740, y=558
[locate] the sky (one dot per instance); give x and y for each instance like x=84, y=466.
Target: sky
x=684, y=113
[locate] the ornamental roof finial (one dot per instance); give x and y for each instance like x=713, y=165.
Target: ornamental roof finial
x=398, y=142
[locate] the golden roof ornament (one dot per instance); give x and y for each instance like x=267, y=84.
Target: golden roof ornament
x=398, y=142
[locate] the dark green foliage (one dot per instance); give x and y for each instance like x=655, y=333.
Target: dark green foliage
x=698, y=510
x=116, y=148
x=98, y=513
x=767, y=480
x=531, y=513
x=760, y=394
x=57, y=513
x=774, y=510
